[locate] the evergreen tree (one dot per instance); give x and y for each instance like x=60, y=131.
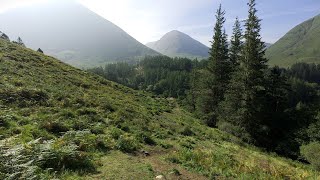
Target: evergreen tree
x=40, y=51
x=254, y=69
x=217, y=74
x=243, y=104
x=19, y=42
x=236, y=45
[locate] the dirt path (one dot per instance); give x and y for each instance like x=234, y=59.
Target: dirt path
x=169, y=170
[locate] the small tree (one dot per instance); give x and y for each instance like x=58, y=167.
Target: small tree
x=20, y=42
x=40, y=51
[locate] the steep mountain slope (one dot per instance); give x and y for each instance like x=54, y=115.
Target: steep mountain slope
x=76, y=125
x=178, y=44
x=301, y=44
x=71, y=32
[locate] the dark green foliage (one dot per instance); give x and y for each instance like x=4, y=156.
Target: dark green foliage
x=217, y=74
x=186, y=131
x=243, y=105
x=306, y=72
x=235, y=49
x=161, y=75
x=145, y=138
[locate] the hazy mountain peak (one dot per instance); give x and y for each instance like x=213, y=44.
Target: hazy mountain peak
x=73, y=33
x=179, y=44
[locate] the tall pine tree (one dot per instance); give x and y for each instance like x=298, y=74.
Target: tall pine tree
x=236, y=45
x=217, y=72
x=242, y=109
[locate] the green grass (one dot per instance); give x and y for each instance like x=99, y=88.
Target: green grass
x=52, y=112
x=301, y=44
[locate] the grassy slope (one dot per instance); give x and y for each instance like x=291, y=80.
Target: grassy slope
x=37, y=90
x=301, y=44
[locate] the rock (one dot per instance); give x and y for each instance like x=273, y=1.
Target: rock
x=145, y=153
x=160, y=177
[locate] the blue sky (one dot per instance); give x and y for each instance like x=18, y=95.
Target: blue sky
x=148, y=20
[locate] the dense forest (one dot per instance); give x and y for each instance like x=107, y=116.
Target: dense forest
x=235, y=90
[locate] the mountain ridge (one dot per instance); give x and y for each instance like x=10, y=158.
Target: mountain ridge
x=300, y=44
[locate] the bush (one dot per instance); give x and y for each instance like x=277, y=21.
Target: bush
x=115, y=133
x=127, y=144
x=67, y=156
x=34, y=159
x=85, y=140
x=145, y=138
x=186, y=131
x=55, y=127
x=24, y=97
x=235, y=130
x=311, y=153
x=4, y=120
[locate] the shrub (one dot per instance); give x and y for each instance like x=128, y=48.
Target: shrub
x=4, y=120
x=55, y=127
x=186, y=131
x=98, y=128
x=311, y=153
x=34, y=159
x=145, y=138
x=85, y=140
x=235, y=130
x=24, y=97
x=66, y=156
x=87, y=111
x=115, y=133
x=127, y=144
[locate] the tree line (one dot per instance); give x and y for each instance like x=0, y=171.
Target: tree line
x=234, y=90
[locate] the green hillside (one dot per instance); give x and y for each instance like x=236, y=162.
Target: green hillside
x=57, y=121
x=301, y=44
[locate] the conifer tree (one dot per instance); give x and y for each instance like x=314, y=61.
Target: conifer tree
x=20, y=42
x=243, y=105
x=40, y=50
x=236, y=45
x=217, y=72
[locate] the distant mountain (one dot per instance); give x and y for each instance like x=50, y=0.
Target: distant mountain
x=72, y=33
x=301, y=44
x=178, y=44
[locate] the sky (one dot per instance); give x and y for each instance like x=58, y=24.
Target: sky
x=149, y=20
